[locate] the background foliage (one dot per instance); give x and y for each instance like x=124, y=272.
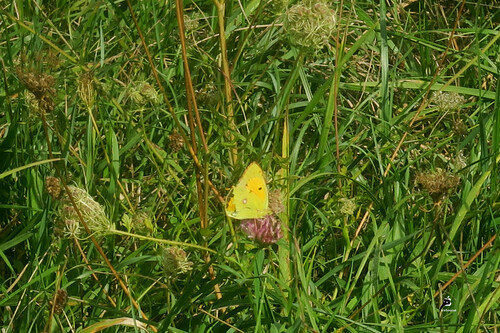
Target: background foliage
x=379, y=124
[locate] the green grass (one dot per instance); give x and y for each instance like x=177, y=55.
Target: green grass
x=383, y=137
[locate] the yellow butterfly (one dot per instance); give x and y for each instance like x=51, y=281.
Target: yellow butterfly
x=249, y=198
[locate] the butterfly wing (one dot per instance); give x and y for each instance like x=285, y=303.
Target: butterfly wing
x=249, y=198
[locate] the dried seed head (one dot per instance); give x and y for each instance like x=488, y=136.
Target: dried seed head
x=310, y=24
x=86, y=89
x=72, y=229
x=276, y=202
x=60, y=300
x=46, y=103
x=437, y=184
x=347, y=206
x=92, y=212
x=142, y=223
x=446, y=101
x=459, y=128
x=276, y=7
x=142, y=93
x=176, y=142
x=41, y=85
x=207, y=96
x=53, y=187
x=175, y=261
x=33, y=103
x=192, y=22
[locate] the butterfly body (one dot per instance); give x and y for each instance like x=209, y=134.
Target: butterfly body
x=249, y=197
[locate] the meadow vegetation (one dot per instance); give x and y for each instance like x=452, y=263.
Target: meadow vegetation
x=124, y=125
